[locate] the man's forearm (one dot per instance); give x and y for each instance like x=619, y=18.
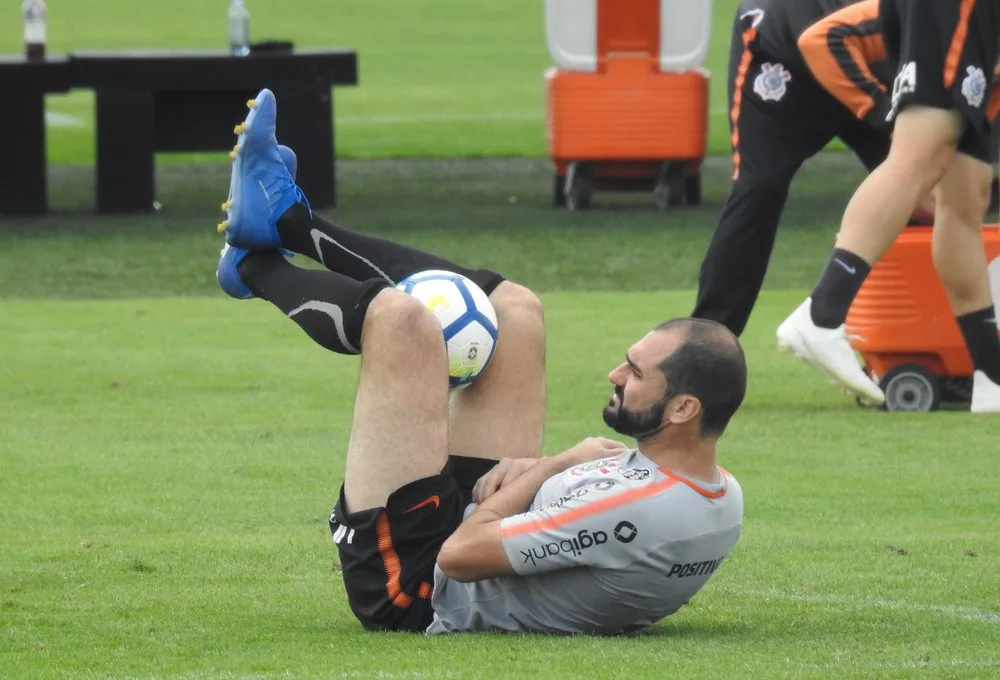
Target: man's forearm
x=476, y=549
x=516, y=497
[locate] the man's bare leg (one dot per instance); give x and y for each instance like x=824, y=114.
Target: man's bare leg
x=400, y=428
x=963, y=197
x=924, y=142
x=399, y=432
x=502, y=414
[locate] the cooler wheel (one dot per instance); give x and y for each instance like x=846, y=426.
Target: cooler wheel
x=579, y=186
x=558, y=190
x=670, y=187
x=909, y=387
x=692, y=189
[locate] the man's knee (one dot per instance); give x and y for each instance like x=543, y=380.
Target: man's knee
x=396, y=316
x=962, y=196
x=519, y=307
x=923, y=144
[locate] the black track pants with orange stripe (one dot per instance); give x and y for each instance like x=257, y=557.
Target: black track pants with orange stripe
x=778, y=120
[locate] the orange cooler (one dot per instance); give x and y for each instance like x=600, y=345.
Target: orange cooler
x=627, y=102
x=903, y=326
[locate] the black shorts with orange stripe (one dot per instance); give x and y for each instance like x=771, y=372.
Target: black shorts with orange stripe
x=387, y=555
x=946, y=51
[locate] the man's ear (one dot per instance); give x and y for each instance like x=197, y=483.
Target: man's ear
x=683, y=408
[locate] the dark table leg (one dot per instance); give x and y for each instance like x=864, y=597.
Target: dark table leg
x=23, y=186
x=125, y=152
x=305, y=123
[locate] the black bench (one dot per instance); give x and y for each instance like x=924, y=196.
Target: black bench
x=23, y=185
x=149, y=102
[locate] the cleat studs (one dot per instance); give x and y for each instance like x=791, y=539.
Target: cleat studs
x=232, y=154
x=251, y=104
x=240, y=129
x=222, y=226
x=226, y=205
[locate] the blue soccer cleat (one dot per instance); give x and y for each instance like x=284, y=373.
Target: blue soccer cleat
x=262, y=187
x=228, y=274
x=290, y=160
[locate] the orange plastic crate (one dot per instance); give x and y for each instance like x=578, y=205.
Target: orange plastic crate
x=629, y=112
x=902, y=317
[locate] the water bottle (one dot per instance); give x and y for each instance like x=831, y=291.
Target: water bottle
x=33, y=13
x=239, y=29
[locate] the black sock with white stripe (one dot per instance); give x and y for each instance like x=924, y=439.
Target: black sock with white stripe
x=362, y=257
x=328, y=306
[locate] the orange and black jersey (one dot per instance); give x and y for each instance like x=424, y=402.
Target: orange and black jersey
x=838, y=42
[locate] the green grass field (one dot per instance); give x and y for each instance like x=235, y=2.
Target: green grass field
x=169, y=464
x=168, y=456
x=437, y=77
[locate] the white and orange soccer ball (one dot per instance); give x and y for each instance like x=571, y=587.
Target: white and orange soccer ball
x=467, y=319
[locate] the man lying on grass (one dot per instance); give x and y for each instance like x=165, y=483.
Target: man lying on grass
x=449, y=519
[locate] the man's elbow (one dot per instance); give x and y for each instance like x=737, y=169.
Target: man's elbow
x=453, y=560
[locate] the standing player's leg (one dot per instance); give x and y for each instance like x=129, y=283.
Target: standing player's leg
x=963, y=197
x=939, y=49
x=770, y=138
x=871, y=146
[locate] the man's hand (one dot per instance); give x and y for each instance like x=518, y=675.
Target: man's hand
x=475, y=550
x=502, y=474
x=591, y=449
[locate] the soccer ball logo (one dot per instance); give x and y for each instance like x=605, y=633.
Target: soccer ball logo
x=467, y=319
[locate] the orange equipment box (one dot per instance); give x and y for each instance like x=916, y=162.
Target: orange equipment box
x=626, y=124
x=903, y=326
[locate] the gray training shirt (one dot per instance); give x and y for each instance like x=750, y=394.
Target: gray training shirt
x=606, y=547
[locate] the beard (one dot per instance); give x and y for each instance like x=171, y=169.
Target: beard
x=631, y=423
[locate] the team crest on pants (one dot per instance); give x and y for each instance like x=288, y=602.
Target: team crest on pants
x=974, y=86
x=770, y=82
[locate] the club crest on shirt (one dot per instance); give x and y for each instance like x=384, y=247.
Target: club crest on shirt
x=974, y=86
x=635, y=474
x=769, y=84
